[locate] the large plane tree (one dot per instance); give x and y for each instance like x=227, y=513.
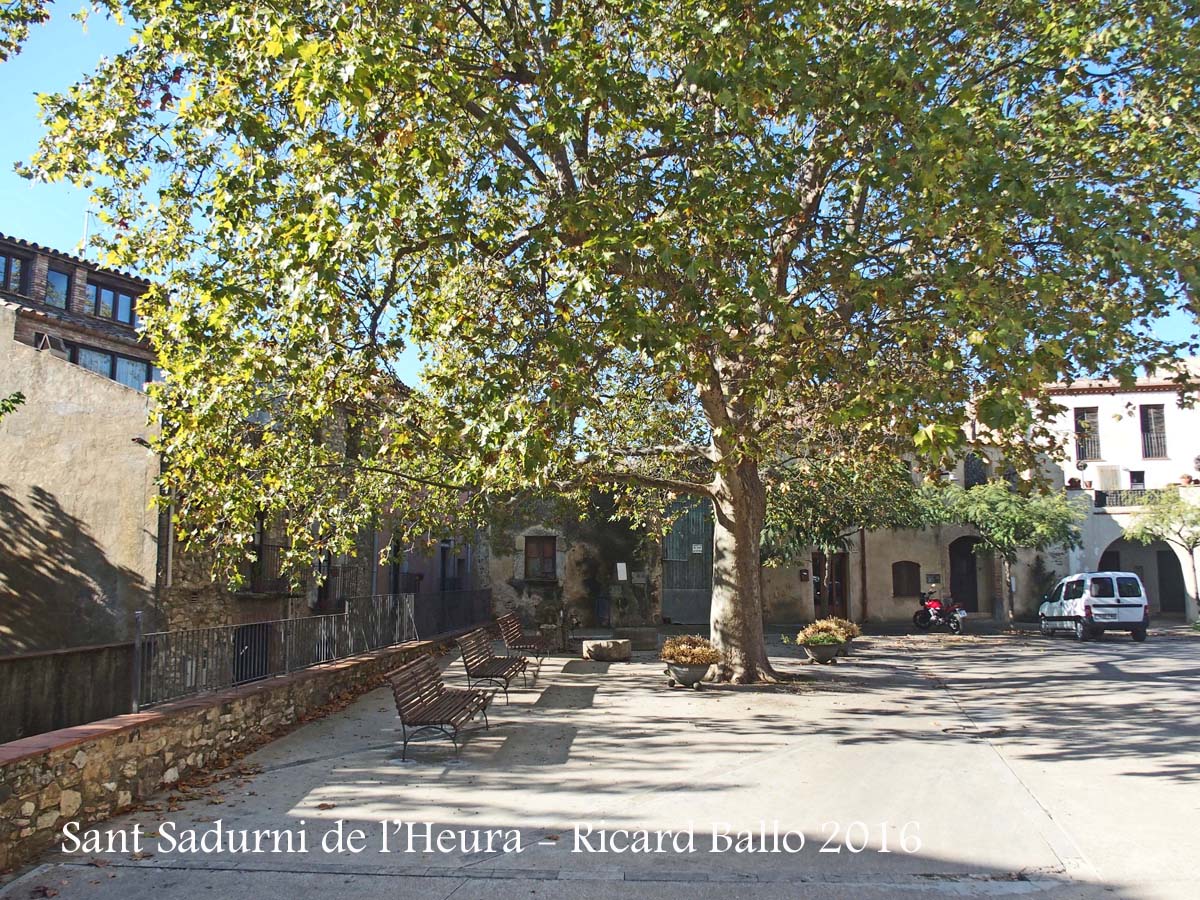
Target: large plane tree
x=672, y=248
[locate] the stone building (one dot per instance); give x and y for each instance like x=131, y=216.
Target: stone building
x=80, y=547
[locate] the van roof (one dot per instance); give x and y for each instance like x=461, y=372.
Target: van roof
x=1102, y=572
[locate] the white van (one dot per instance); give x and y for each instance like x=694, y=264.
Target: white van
x=1089, y=603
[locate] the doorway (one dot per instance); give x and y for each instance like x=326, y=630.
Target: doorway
x=829, y=585
x=1171, y=590
x=964, y=573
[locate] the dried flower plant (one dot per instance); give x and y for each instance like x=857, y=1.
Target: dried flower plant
x=690, y=650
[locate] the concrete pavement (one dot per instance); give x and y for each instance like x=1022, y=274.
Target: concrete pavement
x=920, y=766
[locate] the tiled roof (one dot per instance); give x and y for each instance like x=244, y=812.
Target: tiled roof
x=91, y=324
x=78, y=260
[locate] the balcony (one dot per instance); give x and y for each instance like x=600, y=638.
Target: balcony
x=1112, y=499
x=1154, y=444
x=1087, y=446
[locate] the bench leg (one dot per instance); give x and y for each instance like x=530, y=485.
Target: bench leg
x=404, y=746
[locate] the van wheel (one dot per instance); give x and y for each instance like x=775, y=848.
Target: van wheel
x=1044, y=626
x=1082, y=632
x=1139, y=634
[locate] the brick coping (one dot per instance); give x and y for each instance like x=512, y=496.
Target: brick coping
x=64, y=738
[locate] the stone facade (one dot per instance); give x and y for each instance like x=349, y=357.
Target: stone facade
x=584, y=585
x=91, y=772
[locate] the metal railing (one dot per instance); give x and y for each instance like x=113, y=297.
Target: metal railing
x=1131, y=497
x=1154, y=444
x=441, y=612
x=1087, y=446
x=168, y=665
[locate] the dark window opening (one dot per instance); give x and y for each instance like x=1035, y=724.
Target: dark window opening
x=1154, y=431
x=906, y=579
x=13, y=270
x=1087, y=432
x=58, y=288
x=541, y=553
x=112, y=303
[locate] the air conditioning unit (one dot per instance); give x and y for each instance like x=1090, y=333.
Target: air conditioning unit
x=52, y=343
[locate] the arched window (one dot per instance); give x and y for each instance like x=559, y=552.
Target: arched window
x=906, y=579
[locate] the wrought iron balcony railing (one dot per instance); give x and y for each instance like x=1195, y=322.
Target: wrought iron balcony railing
x=1154, y=444
x=1087, y=446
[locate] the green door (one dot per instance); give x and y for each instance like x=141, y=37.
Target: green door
x=687, y=566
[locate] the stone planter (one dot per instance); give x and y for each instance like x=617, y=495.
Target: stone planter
x=688, y=676
x=844, y=648
x=822, y=653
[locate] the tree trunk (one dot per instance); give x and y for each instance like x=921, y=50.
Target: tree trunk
x=1191, y=593
x=736, y=617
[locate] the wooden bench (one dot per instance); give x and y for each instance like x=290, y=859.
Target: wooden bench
x=515, y=638
x=426, y=704
x=483, y=665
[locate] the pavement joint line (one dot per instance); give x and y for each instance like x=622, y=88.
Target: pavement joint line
x=923, y=880
x=1064, y=848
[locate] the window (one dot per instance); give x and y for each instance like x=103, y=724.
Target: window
x=906, y=579
x=132, y=373
x=1087, y=432
x=1154, y=431
x=58, y=288
x=1137, y=480
x=1129, y=587
x=541, y=554
x=1056, y=594
x=126, y=370
x=975, y=470
x=1102, y=588
x=13, y=270
x=111, y=303
x=1074, y=590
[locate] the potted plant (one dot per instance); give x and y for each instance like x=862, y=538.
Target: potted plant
x=822, y=641
x=849, y=631
x=688, y=658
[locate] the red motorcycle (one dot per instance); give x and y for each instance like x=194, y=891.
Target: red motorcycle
x=934, y=612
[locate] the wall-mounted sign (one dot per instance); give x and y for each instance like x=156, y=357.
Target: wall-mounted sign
x=933, y=578
x=637, y=577
x=697, y=548
x=622, y=572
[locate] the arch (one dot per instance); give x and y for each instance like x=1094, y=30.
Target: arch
x=1158, y=566
x=906, y=578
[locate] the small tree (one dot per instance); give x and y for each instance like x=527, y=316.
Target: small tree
x=1010, y=520
x=1171, y=518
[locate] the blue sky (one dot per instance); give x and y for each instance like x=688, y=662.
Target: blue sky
x=56, y=55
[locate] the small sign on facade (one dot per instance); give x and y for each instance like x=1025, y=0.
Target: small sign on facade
x=622, y=572
x=697, y=548
x=638, y=577
x=933, y=578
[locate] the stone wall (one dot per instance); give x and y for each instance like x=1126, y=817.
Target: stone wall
x=80, y=547
x=91, y=772
x=585, y=583
x=45, y=691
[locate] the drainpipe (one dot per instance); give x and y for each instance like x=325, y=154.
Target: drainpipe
x=862, y=571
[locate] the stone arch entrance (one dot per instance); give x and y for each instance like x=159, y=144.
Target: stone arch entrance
x=1157, y=565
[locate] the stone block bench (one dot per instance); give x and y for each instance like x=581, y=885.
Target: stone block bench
x=611, y=650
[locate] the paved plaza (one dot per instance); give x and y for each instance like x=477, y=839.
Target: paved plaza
x=988, y=765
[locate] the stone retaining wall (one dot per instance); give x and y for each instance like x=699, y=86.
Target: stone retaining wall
x=40, y=692
x=91, y=772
